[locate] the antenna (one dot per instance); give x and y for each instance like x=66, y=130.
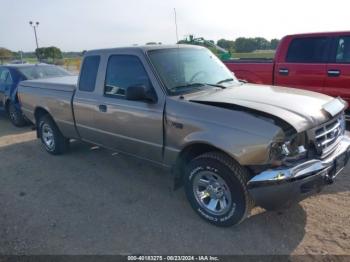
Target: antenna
x=177, y=36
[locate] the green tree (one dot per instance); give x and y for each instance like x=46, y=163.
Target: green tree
x=261, y=43
x=40, y=53
x=5, y=54
x=51, y=52
x=226, y=44
x=274, y=43
x=243, y=44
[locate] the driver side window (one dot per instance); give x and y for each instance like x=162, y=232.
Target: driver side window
x=124, y=71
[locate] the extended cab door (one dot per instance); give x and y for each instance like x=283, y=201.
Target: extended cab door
x=302, y=63
x=106, y=118
x=338, y=70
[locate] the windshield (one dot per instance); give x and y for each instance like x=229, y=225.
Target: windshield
x=184, y=70
x=39, y=71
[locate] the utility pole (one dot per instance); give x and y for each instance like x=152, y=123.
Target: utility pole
x=35, y=26
x=177, y=36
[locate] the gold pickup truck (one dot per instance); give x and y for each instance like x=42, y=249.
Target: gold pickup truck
x=232, y=145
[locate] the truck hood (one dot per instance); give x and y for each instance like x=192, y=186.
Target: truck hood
x=301, y=109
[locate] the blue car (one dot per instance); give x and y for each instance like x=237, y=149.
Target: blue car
x=11, y=75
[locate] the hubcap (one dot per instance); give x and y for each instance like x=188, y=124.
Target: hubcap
x=212, y=192
x=13, y=114
x=48, y=138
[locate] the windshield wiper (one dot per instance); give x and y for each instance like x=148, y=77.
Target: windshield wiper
x=187, y=85
x=176, y=88
x=217, y=85
x=225, y=80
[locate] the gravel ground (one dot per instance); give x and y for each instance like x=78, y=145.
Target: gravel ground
x=91, y=201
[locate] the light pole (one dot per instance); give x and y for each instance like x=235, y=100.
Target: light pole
x=35, y=26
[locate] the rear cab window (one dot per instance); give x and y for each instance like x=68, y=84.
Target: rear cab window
x=89, y=71
x=308, y=50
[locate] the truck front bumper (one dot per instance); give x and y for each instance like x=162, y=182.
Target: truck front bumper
x=283, y=186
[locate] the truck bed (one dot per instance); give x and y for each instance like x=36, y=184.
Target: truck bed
x=53, y=95
x=66, y=83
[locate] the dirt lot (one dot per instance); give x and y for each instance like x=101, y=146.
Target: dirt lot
x=92, y=202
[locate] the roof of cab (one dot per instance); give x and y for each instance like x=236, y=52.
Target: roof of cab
x=338, y=33
x=142, y=48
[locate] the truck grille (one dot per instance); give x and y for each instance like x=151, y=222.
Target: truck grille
x=326, y=136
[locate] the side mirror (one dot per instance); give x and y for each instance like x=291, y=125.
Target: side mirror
x=140, y=93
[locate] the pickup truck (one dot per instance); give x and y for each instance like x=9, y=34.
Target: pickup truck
x=231, y=145
x=317, y=62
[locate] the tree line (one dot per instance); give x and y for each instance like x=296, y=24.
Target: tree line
x=245, y=45
x=52, y=53
x=49, y=54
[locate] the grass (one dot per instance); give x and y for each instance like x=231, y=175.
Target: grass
x=31, y=60
x=256, y=54
x=72, y=64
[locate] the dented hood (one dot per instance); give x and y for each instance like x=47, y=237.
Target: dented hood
x=301, y=109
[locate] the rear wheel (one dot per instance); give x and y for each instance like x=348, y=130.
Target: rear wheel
x=215, y=186
x=15, y=115
x=51, y=137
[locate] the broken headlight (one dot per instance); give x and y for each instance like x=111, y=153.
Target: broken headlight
x=289, y=150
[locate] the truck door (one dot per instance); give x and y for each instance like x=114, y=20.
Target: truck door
x=304, y=64
x=132, y=127
x=338, y=70
x=85, y=96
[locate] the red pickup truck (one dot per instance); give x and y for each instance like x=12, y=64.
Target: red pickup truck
x=318, y=62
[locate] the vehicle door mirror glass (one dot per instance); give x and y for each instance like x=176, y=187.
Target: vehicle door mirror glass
x=140, y=93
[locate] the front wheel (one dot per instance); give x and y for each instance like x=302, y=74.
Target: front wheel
x=15, y=115
x=51, y=137
x=215, y=186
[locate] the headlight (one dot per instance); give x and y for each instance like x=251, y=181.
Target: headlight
x=291, y=149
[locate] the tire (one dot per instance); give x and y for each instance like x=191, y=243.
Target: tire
x=51, y=137
x=15, y=115
x=217, y=178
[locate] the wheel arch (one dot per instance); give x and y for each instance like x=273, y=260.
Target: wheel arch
x=38, y=113
x=188, y=153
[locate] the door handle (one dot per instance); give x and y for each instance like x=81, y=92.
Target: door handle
x=333, y=73
x=102, y=108
x=283, y=71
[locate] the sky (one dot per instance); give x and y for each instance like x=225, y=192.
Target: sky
x=76, y=25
